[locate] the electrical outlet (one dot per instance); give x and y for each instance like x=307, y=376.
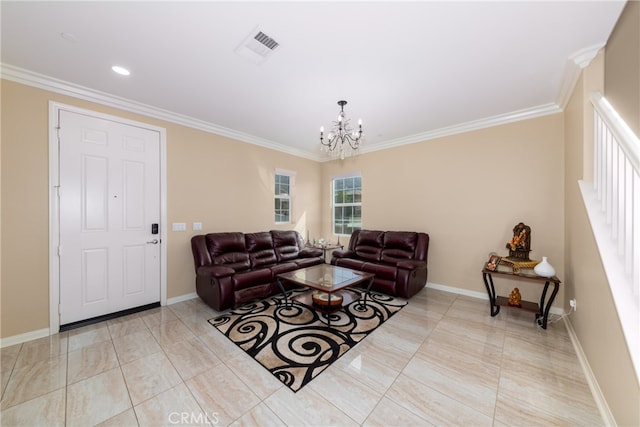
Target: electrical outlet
x=572, y=304
x=179, y=226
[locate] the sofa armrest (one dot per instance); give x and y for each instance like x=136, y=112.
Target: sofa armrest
x=338, y=253
x=309, y=253
x=215, y=271
x=411, y=264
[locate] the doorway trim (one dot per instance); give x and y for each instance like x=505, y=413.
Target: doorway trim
x=54, y=212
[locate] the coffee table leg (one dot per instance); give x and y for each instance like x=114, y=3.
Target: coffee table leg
x=367, y=293
x=284, y=293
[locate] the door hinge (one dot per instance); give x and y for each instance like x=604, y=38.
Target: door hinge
x=59, y=250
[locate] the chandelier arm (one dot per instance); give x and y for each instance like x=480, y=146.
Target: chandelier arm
x=331, y=142
x=354, y=143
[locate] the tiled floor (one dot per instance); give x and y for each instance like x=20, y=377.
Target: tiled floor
x=442, y=360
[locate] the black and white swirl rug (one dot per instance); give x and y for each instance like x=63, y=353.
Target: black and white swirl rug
x=294, y=341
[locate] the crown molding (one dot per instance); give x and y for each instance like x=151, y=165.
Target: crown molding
x=29, y=78
x=515, y=116
x=574, y=66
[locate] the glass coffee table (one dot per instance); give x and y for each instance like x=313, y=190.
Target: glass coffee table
x=327, y=284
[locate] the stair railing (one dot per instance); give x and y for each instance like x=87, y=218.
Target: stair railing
x=615, y=192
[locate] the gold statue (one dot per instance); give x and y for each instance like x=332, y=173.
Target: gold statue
x=520, y=244
x=515, y=298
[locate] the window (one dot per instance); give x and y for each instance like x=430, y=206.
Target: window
x=283, y=198
x=347, y=204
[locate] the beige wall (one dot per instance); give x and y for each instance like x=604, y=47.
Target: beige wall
x=225, y=184
x=622, y=66
x=467, y=191
x=468, y=203
x=596, y=322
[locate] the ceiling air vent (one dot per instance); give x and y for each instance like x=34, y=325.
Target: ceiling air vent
x=266, y=40
x=256, y=47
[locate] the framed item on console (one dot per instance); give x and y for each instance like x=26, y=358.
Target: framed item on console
x=494, y=260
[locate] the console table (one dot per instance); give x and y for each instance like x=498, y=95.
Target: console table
x=541, y=310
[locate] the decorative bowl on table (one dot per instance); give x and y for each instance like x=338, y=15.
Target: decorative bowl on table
x=322, y=298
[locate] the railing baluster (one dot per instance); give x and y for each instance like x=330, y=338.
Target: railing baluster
x=597, y=151
x=621, y=206
x=615, y=180
x=606, y=199
x=635, y=231
x=628, y=237
x=621, y=195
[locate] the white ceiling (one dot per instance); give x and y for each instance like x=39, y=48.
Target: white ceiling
x=410, y=70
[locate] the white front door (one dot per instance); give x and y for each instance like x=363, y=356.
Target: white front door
x=109, y=199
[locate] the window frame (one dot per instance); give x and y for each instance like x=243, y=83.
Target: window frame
x=279, y=197
x=357, y=191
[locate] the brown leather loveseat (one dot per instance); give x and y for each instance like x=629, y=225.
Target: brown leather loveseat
x=397, y=258
x=233, y=268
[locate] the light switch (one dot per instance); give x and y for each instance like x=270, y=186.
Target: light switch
x=179, y=226
x=197, y=226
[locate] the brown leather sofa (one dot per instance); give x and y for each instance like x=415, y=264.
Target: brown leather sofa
x=233, y=268
x=397, y=258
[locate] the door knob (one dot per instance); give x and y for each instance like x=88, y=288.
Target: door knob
x=153, y=242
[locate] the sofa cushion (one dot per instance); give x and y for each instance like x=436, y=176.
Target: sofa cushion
x=262, y=258
x=308, y=262
x=228, y=249
x=215, y=271
x=248, y=279
x=251, y=293
x=398, y=246
x=310, y=253
x=353, y=263
x=381, y=271
x=388, y=287
x=260, y=248
x=369, y=245
x=286, y=245
x=284, y=267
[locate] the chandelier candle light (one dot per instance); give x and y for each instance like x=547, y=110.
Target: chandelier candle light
x=342, y=140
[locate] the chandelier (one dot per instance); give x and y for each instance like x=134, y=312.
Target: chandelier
x=342, y=140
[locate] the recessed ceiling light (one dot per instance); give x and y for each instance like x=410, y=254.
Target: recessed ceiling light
x=120, y=70
x=69, y=37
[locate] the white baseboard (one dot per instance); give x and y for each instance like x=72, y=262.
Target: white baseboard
x=603, y=407
x=476, y=294
x=40, y=333
x=180, y=298
x=28, y=336
x=459, y=291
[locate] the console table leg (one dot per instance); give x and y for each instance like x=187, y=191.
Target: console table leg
x=491, y=291
x=543, y=297
x=544, y=308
